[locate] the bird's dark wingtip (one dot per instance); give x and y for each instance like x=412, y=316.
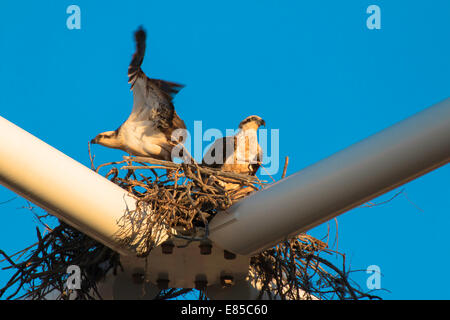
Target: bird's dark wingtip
x=140, y=34
x=138, y=57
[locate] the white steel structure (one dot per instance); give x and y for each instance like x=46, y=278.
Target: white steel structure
x=353, y=176
x=62, y=186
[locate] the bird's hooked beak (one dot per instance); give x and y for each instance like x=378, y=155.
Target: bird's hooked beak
x=94, y=141
x=262, y=123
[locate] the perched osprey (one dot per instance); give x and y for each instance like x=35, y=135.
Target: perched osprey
x=240, y=153
x=148, y=129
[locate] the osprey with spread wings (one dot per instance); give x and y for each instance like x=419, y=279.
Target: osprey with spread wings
x=148, y=130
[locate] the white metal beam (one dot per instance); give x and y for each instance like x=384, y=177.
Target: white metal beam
x=94, y=205
x=353, y=176
x=63, y=186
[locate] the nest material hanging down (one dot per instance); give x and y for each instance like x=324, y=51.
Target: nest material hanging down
x=184, y=198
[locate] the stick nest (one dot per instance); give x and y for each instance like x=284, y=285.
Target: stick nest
x=184, y=198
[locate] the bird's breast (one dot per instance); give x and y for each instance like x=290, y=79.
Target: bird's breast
x=143, y=138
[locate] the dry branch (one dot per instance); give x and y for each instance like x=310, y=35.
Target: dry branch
x=182, y=197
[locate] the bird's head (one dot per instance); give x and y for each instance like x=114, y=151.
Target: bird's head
x=251, y=122
x=107, y=139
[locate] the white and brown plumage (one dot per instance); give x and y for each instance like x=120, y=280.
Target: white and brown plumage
x=148, y=130
x=240, y=153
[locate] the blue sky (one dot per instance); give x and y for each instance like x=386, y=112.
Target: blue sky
x=311, y=69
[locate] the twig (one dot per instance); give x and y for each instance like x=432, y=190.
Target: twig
x=371, y=204
x=267, y=172
x=8, y=200
x=286, y=162
x=91, y=157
